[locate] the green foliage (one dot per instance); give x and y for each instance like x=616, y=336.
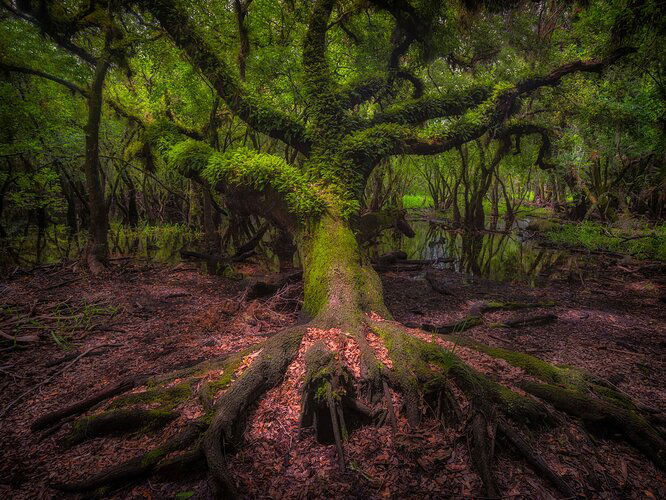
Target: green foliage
x=340, y=101
x=189, y=157
x=261, y=171
x=411, y=201
x=645, y=243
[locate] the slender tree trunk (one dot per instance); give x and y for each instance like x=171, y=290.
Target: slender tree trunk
x=97, y=252
x=211, y=224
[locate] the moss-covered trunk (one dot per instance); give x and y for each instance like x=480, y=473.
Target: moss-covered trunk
x=340, y=285
x=98, y=249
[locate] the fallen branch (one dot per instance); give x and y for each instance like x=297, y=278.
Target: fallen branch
x=531, y=321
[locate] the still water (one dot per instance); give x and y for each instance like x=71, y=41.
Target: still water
x=497, y=256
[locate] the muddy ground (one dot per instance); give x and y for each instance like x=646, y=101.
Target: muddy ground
x=148, y=318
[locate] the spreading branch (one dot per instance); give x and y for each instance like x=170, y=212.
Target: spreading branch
x=492, y=112
x=84, y=92
x=249, y=107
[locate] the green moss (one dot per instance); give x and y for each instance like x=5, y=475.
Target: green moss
x=532, y=365
x=189, y=157
x=512, y=306
x=120, y=421
x=646, y=242
x=261, y=171
x=573, y=380
x=321, y=393
x=228, y=369
x=168, y=398
x=453, y=102
x=153, y=456
x=422, y=365
x=612, y=396
x=336, y=278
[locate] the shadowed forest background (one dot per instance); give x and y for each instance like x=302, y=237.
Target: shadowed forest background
x=332, y=248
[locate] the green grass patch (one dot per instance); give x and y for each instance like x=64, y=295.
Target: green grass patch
x=417, y=201
x=643, y=243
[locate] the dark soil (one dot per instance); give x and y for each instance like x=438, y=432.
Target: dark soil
x=155, y=318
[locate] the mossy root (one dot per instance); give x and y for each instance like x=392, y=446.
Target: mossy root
x=605, y=417
x=117, y=422
x=232, y=408
x=137, y=467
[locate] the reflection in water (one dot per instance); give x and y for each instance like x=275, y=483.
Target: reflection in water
x=494, y=256
x=154, y=243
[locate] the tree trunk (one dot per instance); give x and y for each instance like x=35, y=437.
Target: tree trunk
x=97, y=252
x=211, y=224
x=339, y=282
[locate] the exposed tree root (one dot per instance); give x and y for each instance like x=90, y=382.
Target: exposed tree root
x=457, y=327
x=138, y=467
x=118, y=422
x=79, y=407
x=539, y=464
x=605, y=417
x=475, y=316
x=583, y=395
x=482, y=451
x=541, y=319
x=232, y=408
x=329, y=402
x=426, y=374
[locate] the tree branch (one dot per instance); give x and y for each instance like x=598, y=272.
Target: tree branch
x=28, y=71
x=519, y=130
x=60, y=31
x=452, y=103
x=456, y=102
x=494, y=111
x=250, y=108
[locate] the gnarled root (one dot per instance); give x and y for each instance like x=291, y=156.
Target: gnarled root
x=137, y=467
x=329, y=402
x=203, y=439
x=123, y=421
x=539, y=464
x=580, y=394
x=606, y=417
x=232, y=408
x=430, y=379
x=428, y=369
x=482, y=450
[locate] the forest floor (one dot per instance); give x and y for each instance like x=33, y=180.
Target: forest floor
x=149, y=318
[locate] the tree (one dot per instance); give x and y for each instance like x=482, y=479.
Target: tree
x=350, y=124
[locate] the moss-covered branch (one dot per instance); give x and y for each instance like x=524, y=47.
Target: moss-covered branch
x=250, y=107
x=454, y=102
x=484, y=109
x=260, y=172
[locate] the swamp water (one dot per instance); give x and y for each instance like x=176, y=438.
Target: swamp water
x=496, y=256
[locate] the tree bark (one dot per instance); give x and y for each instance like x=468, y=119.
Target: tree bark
x=97, y=251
